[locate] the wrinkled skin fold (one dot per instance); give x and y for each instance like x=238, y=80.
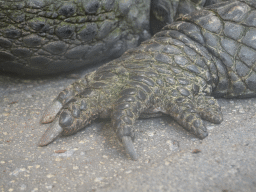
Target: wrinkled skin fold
x=178, y=72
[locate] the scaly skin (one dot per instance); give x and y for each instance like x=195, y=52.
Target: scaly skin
x=42, y=37
x=177, y=72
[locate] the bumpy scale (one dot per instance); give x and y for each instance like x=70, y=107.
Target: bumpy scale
x=209, y=53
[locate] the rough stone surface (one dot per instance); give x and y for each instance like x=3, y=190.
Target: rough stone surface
x=93, y=160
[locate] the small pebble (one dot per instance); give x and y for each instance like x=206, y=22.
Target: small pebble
x=196, y=151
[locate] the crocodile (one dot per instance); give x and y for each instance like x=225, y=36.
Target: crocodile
x=44, y=37
x=179, y=72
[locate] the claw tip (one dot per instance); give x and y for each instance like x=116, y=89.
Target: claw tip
x=129, y=147
x=50, y=134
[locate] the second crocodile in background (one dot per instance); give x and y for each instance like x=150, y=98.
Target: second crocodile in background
x=43, y=37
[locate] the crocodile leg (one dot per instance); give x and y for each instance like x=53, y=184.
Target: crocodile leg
x=208, y=53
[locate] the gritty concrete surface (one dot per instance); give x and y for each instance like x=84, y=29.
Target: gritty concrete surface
x=93, y=160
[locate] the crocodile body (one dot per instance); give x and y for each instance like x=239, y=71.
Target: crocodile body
x=177, y=72
x=42, y=37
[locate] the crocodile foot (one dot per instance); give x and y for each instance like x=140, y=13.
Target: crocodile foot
x=124, y=102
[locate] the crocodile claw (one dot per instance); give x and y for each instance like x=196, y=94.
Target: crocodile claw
x=51, y=112
x=50, y=134
x=129, y=147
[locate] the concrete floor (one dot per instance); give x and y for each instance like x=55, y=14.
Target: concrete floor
x=92, y=160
